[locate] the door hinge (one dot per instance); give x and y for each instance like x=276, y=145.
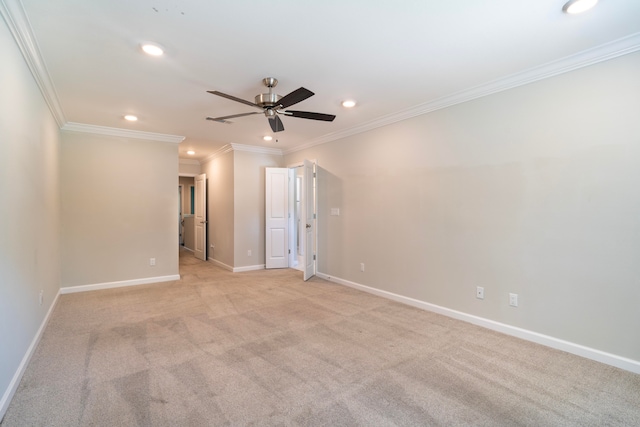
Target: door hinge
x=314, y=216
x=314, y=174
x=314, y=257
x=289, y=251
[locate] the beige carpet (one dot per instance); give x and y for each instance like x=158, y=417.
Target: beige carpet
x=265, y=348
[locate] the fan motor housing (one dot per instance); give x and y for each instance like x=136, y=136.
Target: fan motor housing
x=267, y=99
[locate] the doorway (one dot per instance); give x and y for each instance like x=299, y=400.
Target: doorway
x=290, y=218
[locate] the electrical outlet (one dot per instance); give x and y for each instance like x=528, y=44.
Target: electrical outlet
x=479, y=292
x=249, y=252
x=41, y=297
x=152, y=261
x=513, y=300
x=362, y=266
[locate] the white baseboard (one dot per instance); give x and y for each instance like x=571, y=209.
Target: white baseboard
x=248, y=268
x=559, y=344
x=121, y=284
x=220, y=264
x=15, y=381
x=236, y=269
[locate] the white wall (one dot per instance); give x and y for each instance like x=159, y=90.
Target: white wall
x=119, y=209
x=29, y=212
x=535, y=191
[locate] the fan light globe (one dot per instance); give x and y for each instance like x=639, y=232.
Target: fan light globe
x=130, y=117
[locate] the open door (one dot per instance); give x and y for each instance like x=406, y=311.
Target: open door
x=309, y=216
x=200, y=217
x=276, y=217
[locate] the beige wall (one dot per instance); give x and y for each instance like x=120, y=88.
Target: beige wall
x=534, y=191
x=29, y=212
x=119, y=209
x=220, y=207
x=249, y=205
x=188, y=168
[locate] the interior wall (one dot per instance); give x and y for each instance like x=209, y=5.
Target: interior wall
x=249, y=190
x=533, y=191
x=29, y=211
x=220, y=208
x=119, y=209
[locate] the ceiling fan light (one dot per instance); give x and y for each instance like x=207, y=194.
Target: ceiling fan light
x=191, y=152
x=349, y=103
x=152, y=49
x=267, y=138
x=578, y=6
x=131, y=118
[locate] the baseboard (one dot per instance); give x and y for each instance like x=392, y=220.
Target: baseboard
x=248, y=268
x=121, y=284
x=549, y=341
x=236, y=269
x=221, y=264
x=15, y=381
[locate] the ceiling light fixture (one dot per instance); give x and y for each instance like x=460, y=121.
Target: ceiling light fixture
x=349, y=103
x=152, y=49
x=191, y=152
x=578, y=6
x=267, y=138
x=130, y=117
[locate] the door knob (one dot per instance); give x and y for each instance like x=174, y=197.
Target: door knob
x=308, y=225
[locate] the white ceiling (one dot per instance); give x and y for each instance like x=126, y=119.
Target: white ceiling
x=395, y=57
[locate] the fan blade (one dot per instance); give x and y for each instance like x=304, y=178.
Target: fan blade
x=276, y=124
x=310, y=115
x=222, y=119
x=295, y=97
x=233, y=98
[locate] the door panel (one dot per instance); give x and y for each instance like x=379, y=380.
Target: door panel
x=276, y=217
x=309, y=209
x=200, y=217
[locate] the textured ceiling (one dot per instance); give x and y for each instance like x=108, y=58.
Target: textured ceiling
x=391, y=56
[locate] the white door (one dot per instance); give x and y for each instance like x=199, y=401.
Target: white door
x=309, y=220
x=276, y=217
x=200, y=217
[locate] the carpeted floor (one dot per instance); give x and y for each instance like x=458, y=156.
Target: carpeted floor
x=265, y=348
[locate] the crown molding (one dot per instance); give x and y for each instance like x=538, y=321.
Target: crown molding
x=122, y=133
x=218, y=153
x=18, y=23
x=601, y=53
x=254, y=149
x=242, y=147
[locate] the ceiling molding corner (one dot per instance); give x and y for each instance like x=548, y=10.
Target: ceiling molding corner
x=255, y=149
x=601, y=53
x=122, y=133
x=18, y=23
x=220, y=152
x=241, y=147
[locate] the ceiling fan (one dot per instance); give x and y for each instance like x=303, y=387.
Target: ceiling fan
x=273, y=104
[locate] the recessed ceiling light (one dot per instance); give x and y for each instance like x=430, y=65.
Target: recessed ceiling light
x=349, y=103
x=130, y=117
x=152, y=49
x=578, y=6
x=267, y=138
x=191, y=152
